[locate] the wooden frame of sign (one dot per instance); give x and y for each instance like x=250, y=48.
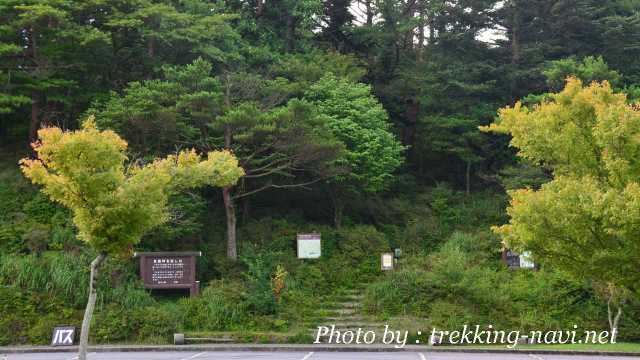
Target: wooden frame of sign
x=169, y=270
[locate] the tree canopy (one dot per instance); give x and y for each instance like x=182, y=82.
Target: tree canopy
x=115, y=203
x=585, y=219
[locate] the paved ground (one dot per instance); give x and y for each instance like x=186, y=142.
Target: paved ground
x=250, y=355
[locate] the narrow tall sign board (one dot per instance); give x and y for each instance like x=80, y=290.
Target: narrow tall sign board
x=386, y=261
x=169, y=270
x=309, y=246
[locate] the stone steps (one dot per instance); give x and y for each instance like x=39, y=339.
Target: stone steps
x=349, y=297
x=341, y=305
x=338, y=312
x=353, y=325
x=342, y=310
x=332, y=319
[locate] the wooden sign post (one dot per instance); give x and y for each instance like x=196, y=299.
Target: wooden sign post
x=169, y=270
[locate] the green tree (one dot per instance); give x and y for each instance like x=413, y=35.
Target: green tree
x=586, y=221
x=44, y=46
x=449, y=136
x=280, y=143
x=588, y=70
x=157, y=33
x=156, y=116
x=112, y=204
x=356, y=118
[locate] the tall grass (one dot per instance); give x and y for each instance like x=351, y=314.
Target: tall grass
x=65, y=275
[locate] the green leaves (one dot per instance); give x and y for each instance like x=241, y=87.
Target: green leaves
x=588, y=70
x=114, y=205
x=587, y=219
x=360, y=122
x=156, y=115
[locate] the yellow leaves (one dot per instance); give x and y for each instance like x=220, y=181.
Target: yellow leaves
x=114, y=206
x=224, y=168
x=187, y=169
x=34, y=170
x=580, y=131
x=588, y=217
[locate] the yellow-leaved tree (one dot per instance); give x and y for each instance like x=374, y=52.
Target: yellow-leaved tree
x=586, y=221
x=114, y=203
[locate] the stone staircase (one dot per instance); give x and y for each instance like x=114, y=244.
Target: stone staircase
x=343, y=310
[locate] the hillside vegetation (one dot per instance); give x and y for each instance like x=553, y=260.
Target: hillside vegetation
x=449, y=129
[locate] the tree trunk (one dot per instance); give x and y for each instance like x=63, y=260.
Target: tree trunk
x=230, y=210
x=338, y=208
x=91, y=304
x=245, y=210
x=151, y=53
x=613, y=320
x=432, y=33
x=369, y=12
x=36, y=96
x=35, y=116
x=409, y=131
x=515, y=50
x=421, y=34
x=259, y=8
x=290, y=32
x=151, y=47
x=468, y=178
x=229, y=207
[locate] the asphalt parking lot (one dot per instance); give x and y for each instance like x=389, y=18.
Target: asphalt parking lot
x=283, y=355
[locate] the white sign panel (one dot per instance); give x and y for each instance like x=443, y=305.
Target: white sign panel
x=63, y=336
x=526, y=262
x=386, y=261
x=309, y=246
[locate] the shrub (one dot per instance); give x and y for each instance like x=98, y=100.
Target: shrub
x=297, y=305
x=455, y=286
x=113, y=324
x=400, y=292
x=157, y=321
x=40, y=209
x=260, y=299
x=358, y=257
x=64, y=275
x=29, y=318
x=311, y=278
x=221, y=306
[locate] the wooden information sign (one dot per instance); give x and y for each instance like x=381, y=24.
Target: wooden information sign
x=169, y=270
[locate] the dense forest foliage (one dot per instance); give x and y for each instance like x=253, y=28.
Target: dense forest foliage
x=358, y=119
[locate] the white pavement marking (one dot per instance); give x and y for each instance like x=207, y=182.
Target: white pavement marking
x=308, y=356
x=422, y=357
x=74, y=358
x=536, y=357
x=194, y=356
